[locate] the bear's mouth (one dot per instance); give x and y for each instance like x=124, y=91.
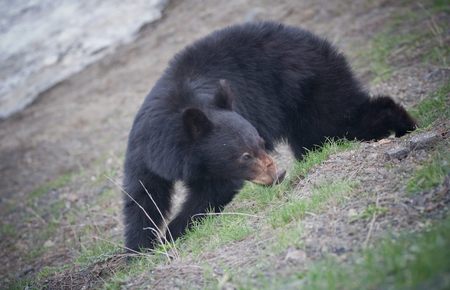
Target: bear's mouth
x=266, y=172
x=266, y=179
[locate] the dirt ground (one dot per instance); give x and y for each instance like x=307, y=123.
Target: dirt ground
x=80, y=126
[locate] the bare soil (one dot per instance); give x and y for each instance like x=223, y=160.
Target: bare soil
x=80, y=127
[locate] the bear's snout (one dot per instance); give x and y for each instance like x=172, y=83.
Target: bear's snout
x=266, y=172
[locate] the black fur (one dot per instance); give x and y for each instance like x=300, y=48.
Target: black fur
x=281, y=82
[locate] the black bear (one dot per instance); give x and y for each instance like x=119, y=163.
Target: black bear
x=219, y=108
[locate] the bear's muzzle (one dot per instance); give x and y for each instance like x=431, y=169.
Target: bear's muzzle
x=266, y=172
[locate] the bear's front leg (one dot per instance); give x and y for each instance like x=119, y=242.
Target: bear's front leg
x=203, y=196
x=142, y=222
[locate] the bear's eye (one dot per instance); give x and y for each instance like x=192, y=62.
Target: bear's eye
x=246, y=156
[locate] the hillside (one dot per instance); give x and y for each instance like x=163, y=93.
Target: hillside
x=351, y=215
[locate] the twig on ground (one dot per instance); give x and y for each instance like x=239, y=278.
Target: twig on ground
x=226, y=213
x=372, y=222
x=159, y=237
x=126, y=248
x=163, y=219
x=33, y=212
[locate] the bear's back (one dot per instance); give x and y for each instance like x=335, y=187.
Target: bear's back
x=238, y=50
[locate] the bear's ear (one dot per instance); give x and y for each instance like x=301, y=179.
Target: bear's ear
x=196, y=123
x=224, y=97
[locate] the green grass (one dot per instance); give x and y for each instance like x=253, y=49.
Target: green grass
x=90, y=251
x=264, y=196
x=255, y=198
x=39, y=239
x=101, y=251
x=370, y=211
x=402, y=40
x=317, y=156
x=107, y=195
x=285, y=237
x=440, y=53
x=19, y=284
x=98, y=251
x=55, y=209
x=408, y=261
x=321, y=195
x=440, y=5
x=437, y=54
x=7, y=230
x=383, y=46
x=432, y=173
x=136, y=267
x=413, y=261
x=283, y=211
x=49, y=271
x=50, y=214
x=436, y=106
x=54, y=184
x=213, y=232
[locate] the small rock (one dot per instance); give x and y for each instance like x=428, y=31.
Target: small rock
x=384, y=141
x=254, y=14
x=352, y=212
x=294, y=255
x=434, y=75
x=372, y=156
x=95, y=208
x=49, y=244
x=423, y=140
x=339, y=250
x=398, y=152
x=324, y=249
x=218, y=271
x=228, y=286
x=72, y=197
x=370, y=170
x=21, y=245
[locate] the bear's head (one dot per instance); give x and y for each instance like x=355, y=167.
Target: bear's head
x=225, y=145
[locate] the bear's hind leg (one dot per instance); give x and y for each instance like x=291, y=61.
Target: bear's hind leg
x=377, y=118
x=140, y=231
x=301, y=141
x=203, y=196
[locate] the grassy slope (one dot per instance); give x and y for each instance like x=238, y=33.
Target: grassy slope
x=413, y=260
x=410, y=261
x=391, y=263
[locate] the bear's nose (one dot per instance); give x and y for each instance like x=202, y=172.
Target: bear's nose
x=266, y=160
